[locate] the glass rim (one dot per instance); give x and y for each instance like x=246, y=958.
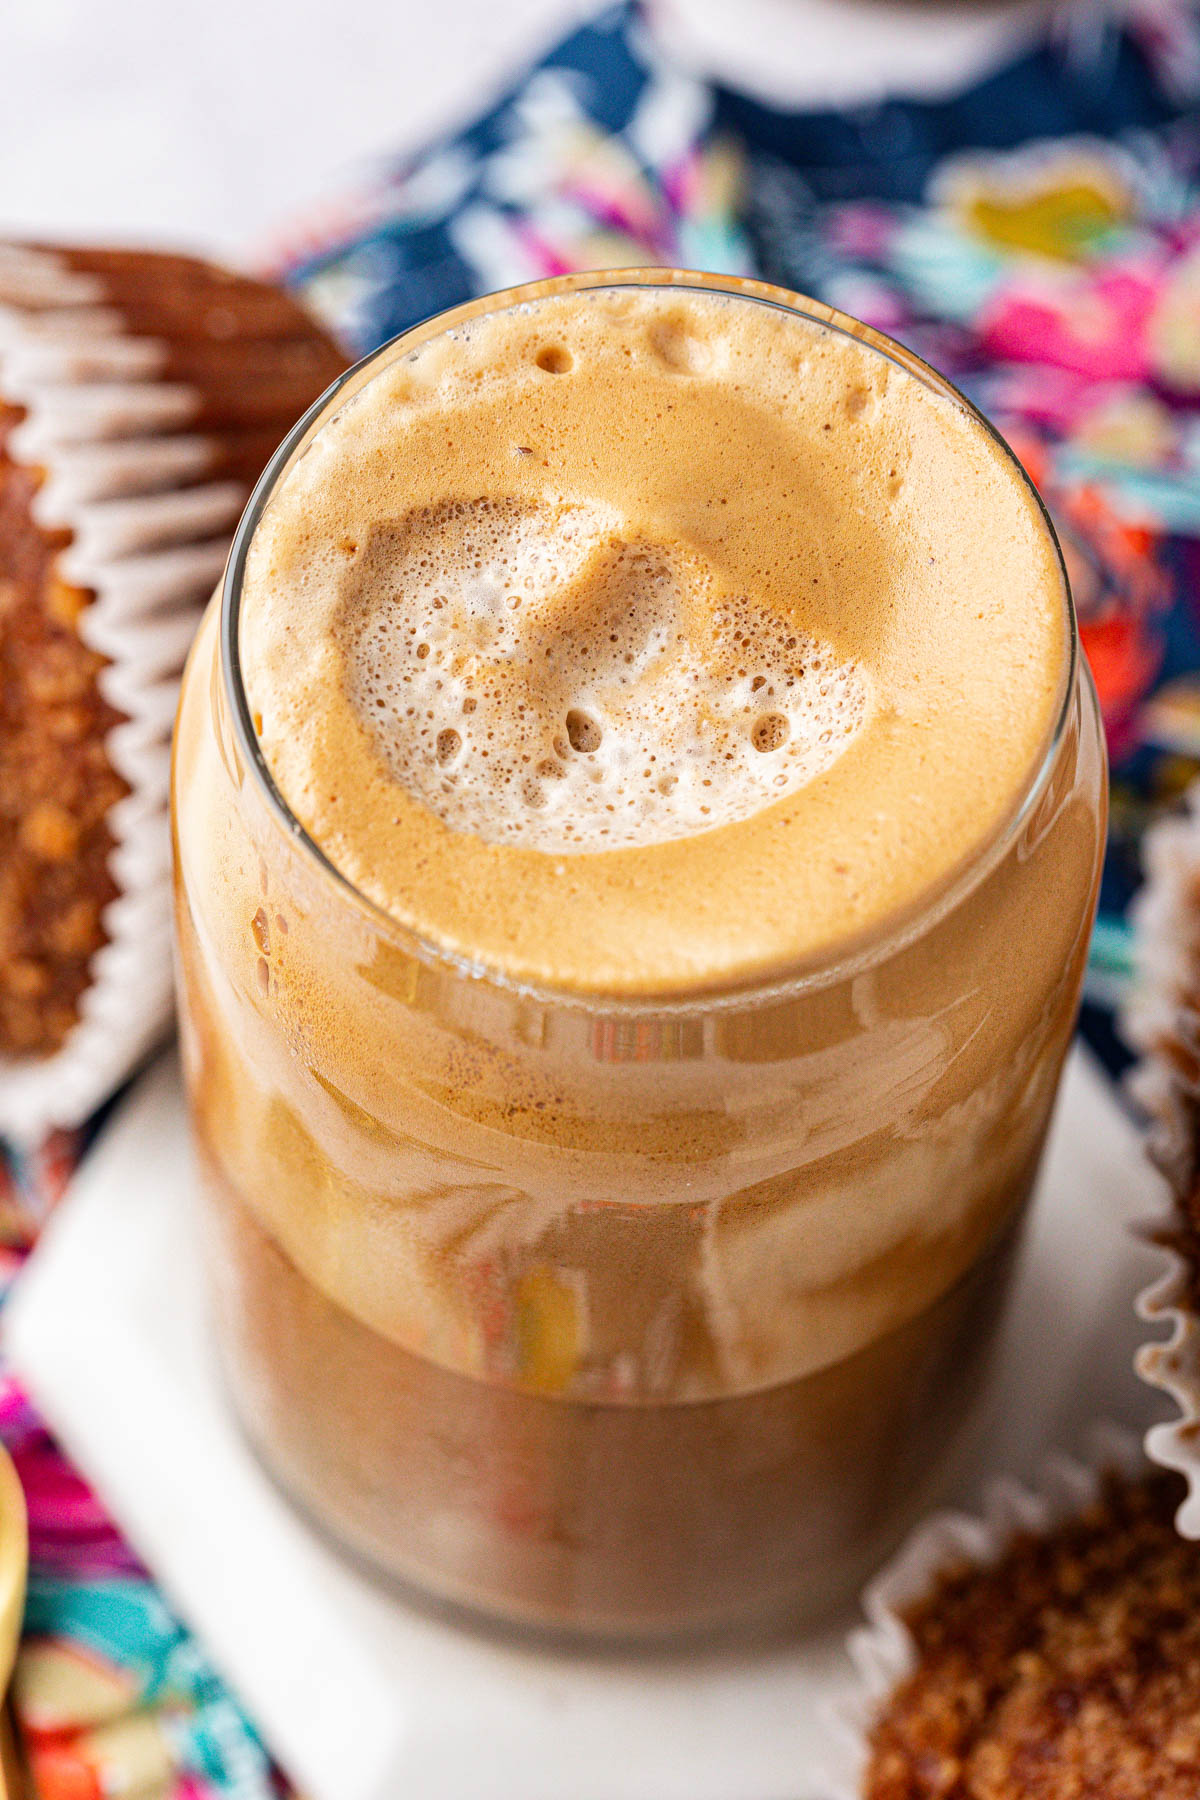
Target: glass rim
x=871, y=946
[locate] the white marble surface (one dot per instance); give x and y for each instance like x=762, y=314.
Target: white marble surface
x=207, y=123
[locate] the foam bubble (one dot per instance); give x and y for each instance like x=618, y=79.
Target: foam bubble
x=536, y=676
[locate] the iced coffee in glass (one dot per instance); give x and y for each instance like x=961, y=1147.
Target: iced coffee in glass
x=638, y=815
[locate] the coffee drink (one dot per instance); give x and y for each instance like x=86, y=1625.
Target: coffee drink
x=638, y=821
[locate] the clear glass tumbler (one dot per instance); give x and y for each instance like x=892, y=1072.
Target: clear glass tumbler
x=611, y=1317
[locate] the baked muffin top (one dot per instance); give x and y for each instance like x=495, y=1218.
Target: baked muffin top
x=1069, y=1669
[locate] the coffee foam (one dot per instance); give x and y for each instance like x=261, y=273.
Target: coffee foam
x=534, y=677
x=722, y=492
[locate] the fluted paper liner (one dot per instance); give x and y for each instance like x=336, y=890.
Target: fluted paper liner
x=882, y=1651
x=108, y=436
x=1163, y=1022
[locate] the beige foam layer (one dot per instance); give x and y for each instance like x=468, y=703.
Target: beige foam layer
x=821, y=491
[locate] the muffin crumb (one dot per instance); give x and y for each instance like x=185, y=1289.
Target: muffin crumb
x=56, y=783
x=1070, y=1668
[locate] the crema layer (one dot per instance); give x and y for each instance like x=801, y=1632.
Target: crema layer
x=639, y=640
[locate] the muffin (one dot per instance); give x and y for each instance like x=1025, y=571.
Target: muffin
x=1046, y=1652
x=1070, y=1667
x=140, y=396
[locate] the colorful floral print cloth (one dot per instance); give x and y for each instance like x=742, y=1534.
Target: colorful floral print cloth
x=1038, y=238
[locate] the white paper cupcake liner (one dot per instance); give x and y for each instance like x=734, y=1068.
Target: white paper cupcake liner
x=1170, y=1365
x=1162, y=1021
x=112, y=442
x=882, y=1651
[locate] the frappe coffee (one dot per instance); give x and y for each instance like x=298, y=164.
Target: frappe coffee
x=638, y=820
